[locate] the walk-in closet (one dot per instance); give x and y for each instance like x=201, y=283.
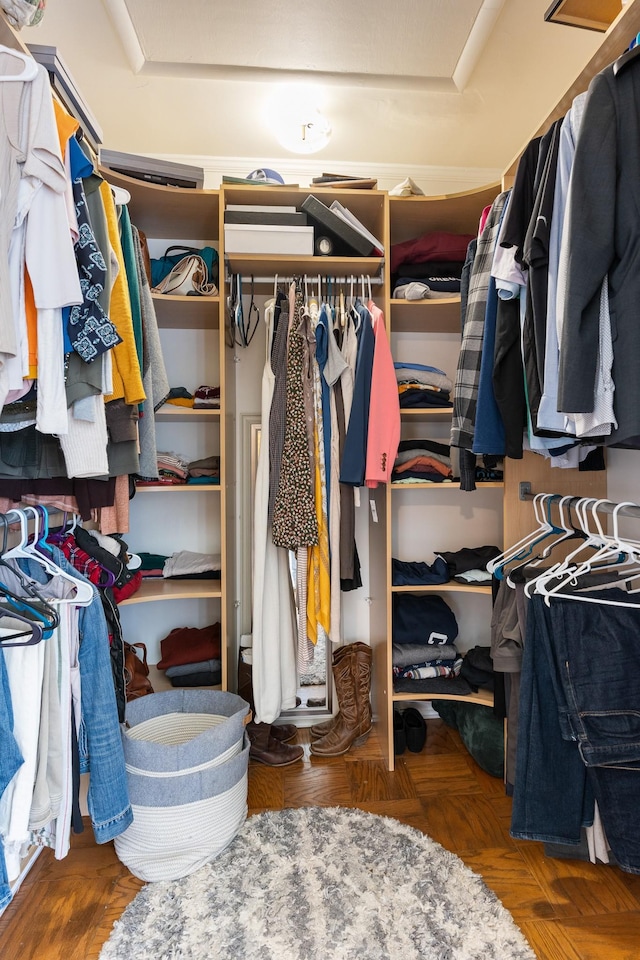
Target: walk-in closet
x=319, y=497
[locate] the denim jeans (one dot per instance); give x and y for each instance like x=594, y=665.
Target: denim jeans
x=552, y=798
x=598, y=649
x=99, y=741
x=10, y=761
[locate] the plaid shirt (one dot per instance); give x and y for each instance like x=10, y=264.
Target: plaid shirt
x=465, y=391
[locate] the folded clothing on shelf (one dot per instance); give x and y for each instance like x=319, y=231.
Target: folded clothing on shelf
x=429, y=288
x=429, y=671
x=419, y=460
x=206, y=467
x=422, y=386
x=203, y=674
x=190, y=645
x=405, y=573
x=409, y=654
x=425, y=619
x=206, y=398
x=189, y=563
x=468, y=558
x=179, y=397
x=437, y=245
x=438, y=686
x=428, y=268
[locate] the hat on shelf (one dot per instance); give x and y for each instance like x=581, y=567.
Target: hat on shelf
x=264, y=175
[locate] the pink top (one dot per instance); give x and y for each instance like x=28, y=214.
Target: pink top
x=383, y=435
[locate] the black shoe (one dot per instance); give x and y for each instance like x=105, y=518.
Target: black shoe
x=399, y=733
x=415, y=729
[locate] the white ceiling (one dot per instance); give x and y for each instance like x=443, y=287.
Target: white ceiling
x=409, y=86
x=408, y=44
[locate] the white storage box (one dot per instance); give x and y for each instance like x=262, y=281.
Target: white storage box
x=263, y=238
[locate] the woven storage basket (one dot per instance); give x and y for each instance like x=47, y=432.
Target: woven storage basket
x=186, y=755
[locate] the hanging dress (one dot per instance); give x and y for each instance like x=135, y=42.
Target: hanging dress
x=274, y=670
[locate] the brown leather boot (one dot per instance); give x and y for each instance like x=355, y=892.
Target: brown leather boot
x=352, y=676
x=283, y=731
x=266, y=749
x=322, y=729
x=363, y=685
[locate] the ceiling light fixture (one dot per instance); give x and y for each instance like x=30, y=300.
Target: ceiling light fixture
x=296, y=120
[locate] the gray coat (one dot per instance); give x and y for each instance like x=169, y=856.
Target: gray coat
x=604, y=238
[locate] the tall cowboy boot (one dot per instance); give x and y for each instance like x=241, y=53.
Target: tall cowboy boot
x=322, y=729
x=364, y=658
x=266, y=749
x=353, y=724
x=284, y=731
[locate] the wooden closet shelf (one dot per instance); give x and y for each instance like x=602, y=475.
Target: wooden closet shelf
x=169, y=411
x=484, y=697
x=181, y=488
x=444, y=486
x=187, y=313
x=426, y=413
x=167, y=213
x=268, y=265
x=161, y=589
x=450, y=587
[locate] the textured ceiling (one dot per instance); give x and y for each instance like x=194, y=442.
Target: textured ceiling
x=413, y=43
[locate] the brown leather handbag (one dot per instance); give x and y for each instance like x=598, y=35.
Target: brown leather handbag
x=136, y=672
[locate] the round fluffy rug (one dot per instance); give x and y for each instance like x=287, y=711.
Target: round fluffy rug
x=321, y=883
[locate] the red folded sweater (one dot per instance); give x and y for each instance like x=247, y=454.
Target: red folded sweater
x=190, y=645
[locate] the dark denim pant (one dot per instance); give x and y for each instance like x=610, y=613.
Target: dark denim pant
x=598, y=649
x=552, y=799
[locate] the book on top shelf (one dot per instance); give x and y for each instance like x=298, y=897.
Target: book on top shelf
x=350, y=218
x=351, y=240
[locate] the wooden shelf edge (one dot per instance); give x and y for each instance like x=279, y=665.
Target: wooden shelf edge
x=156, y=590
x=444, y=486
x=181, y=488
x=483, y=697
x=449, y=587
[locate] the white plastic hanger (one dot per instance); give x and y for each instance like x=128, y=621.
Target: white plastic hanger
x=522, y=549
x=120, y=195
x=23, y=550
x=28, y=66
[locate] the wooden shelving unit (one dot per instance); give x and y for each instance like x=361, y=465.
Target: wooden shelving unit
x=168, y=519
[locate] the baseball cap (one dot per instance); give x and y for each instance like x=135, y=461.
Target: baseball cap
x=264, y=175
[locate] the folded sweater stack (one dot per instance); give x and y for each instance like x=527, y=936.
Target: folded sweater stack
x=191, y=656
x=418, y=461
x=422, y=386
x=424, y=656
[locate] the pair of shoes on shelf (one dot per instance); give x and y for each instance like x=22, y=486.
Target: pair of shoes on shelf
x=409, y=731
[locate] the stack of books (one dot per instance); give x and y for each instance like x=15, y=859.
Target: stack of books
x=343, y=180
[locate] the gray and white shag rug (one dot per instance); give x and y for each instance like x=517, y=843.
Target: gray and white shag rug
x=321, y=883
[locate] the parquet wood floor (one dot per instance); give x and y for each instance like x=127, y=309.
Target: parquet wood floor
x=568, y=910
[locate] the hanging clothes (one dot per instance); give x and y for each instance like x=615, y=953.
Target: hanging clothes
x=274, y=670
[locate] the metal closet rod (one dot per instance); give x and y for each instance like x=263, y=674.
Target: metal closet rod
x=605, y=506
x=312, y=278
